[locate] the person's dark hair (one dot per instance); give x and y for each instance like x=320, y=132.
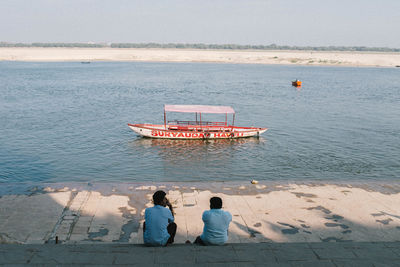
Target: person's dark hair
x=215, y=203
x=158, y=197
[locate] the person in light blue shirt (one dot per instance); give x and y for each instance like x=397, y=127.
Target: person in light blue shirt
x=216, y=224
x=159, y=228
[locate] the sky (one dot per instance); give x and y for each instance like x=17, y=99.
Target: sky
x=255, y=22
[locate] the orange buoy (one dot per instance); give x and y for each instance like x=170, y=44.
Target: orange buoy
x=296, y=83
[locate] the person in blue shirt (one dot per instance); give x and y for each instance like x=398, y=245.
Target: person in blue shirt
x=216, y=224
x=159, y=228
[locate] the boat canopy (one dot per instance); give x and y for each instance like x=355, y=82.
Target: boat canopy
x=199, y=109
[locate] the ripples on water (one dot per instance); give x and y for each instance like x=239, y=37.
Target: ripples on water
x=68, y=122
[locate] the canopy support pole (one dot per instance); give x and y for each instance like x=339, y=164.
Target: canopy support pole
x=226, y=118
x=233, y=121
x=165, y=120
x=200, y=122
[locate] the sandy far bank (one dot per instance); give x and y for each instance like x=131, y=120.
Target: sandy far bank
x=261, y=213
x=185, y=55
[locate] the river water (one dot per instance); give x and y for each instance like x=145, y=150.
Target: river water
x=67, y=122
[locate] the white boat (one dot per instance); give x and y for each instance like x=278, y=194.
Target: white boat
x=196, y=129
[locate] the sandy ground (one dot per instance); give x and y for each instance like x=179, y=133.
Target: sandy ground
x=186, y=55
x=261, y=212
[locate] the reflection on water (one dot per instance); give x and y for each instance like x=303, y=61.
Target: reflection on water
x=176, y=152
x=173, y=143
x=198, y=160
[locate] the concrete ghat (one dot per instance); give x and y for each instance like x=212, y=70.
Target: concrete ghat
x=261, y=213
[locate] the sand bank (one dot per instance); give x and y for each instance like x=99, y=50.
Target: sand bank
x=261, y=213
x=186, y=55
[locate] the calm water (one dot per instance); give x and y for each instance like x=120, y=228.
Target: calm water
x=68, y=122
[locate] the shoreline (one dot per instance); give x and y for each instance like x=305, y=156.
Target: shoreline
x=263, y=212
x=273, y=57
x=106, y=187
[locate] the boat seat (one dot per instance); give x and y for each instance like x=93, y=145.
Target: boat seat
x=182, y=128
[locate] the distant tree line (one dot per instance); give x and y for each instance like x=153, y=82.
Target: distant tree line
x=253, y=47
x=6, y=44
x=205, y=46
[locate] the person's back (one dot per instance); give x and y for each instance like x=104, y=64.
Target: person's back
x=159, y=228
x=216, y=224
x=157, y=219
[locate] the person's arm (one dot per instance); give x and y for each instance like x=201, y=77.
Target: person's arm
x=229, y=221
x=146, y=211
x=169, y=205
x=205, y=216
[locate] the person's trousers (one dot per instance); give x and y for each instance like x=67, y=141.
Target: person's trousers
x=171, y=228
x=199, y=241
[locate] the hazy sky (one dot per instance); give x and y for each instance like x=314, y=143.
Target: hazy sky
x=283, y=22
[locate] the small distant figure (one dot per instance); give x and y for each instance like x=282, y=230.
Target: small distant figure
x=216, y=224
x=159, y=228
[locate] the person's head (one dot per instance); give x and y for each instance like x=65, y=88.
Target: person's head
x=159, y=198
x=215, y=203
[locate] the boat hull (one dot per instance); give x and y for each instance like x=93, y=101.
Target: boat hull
x=158, y=131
